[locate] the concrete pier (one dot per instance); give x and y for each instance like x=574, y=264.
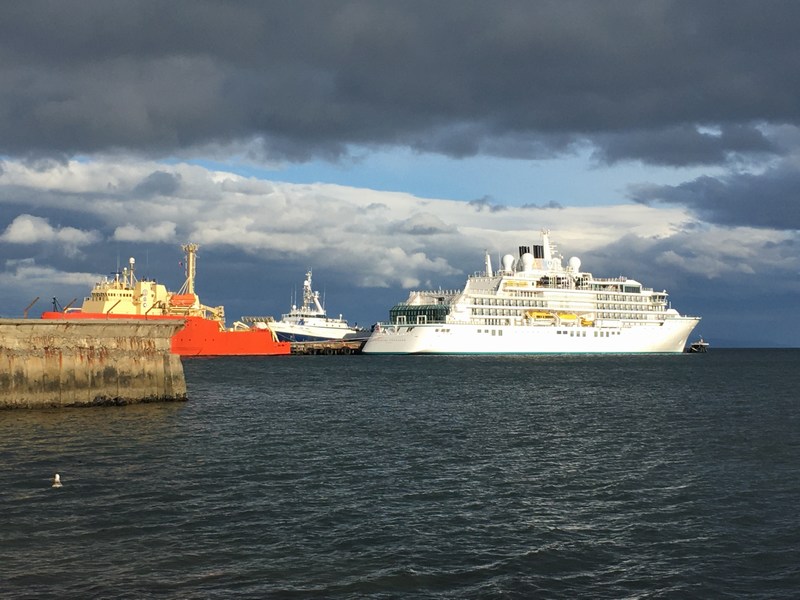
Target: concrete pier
x=47, y=363
x=329, y=347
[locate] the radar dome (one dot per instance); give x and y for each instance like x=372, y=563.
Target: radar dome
x=508, y=262
x=527, y=262
x=575, y=264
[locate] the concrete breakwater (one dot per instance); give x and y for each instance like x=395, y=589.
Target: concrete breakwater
x=88, y=363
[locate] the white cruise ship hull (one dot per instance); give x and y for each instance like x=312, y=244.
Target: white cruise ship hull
x=668, y=336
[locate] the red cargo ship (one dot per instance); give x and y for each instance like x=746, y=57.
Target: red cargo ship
x=204, y=332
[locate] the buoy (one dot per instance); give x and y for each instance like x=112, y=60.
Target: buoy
x=57, y=480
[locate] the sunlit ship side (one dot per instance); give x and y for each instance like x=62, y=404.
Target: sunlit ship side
x=309, y=322
x=534, y=304
x=204, y=332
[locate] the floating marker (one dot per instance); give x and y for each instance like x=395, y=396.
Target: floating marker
x=57, y=480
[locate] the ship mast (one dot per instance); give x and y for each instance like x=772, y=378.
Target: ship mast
x=191, y=253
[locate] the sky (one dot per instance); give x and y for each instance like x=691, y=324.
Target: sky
x=387, y=145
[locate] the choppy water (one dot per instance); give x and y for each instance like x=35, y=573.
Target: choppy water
x=418, y=477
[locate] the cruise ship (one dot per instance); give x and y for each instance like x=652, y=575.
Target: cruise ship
x=533, y=304
x=309, y=322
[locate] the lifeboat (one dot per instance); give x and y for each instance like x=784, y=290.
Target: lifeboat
x=539, y=315
x=182, y=300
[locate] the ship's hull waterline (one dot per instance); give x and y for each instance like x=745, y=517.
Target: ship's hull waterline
x=299, y=333
x=473, y=339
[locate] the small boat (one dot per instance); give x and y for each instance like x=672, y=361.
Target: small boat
x=699, y=346
x=309, y=322
x=204, y=332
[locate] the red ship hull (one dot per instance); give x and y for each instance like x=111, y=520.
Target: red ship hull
x=199, y=336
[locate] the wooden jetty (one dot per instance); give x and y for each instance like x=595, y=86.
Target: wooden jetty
x=329, y=347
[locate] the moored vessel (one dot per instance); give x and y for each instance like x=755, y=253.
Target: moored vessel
x=204, y=332
x=534, y=304
x=698, y=347
x=309, y=322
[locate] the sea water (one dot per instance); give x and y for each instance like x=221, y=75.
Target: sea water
x=667, y=476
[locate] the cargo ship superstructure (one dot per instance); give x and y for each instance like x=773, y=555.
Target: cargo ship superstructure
x=204, y=332
x=534, y=304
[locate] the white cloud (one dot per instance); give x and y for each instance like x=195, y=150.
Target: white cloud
x=22, y=283
x=27, y=272
x=377, y=238
x=27, y=229
x=163, y=231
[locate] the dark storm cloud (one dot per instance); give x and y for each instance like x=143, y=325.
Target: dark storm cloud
x=769, y=200
x=551, y=204
x=158, y=183
x=421, y=224
x=487, y=203
x=310, y=78
x=685, y=145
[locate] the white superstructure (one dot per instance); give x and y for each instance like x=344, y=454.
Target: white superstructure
x=534, y=304
x=310, y=322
